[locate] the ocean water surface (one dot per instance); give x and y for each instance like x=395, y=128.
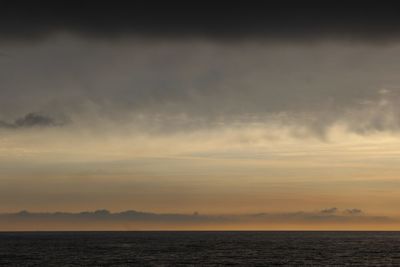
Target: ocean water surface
x=200, y=248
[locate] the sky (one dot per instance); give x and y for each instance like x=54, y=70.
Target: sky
x=195, y=116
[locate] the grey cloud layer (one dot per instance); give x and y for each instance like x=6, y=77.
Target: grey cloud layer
x=185, y=85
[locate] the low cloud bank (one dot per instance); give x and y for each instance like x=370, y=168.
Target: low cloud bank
x=132, y=219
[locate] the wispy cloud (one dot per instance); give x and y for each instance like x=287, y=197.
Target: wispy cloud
x=31, y=120
x=329, y=210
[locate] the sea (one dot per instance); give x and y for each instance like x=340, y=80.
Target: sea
x=197, y=248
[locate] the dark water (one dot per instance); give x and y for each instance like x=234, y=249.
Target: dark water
x=200, y=248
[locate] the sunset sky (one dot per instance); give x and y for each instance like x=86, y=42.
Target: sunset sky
x=211, y=115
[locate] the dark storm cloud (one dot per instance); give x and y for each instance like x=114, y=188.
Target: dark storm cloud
x=283, y=19
x=170, y=74
x=30, y=120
